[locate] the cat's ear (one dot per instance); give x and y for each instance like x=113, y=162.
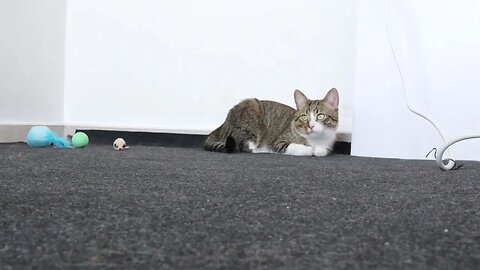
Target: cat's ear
x=300, y=99
x=332, y=98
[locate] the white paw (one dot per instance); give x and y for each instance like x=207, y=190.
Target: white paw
x=256, y=150
x=320, y=152
x=295, y=149
x=252, y=146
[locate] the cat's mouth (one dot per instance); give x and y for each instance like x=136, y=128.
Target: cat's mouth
x=314, y=131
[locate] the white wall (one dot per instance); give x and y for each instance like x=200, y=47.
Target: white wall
x=180, y=65
x=437, y=47
x=32, y=43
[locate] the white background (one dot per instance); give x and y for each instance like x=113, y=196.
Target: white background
x=149, y=65
x=32, y=48
x=437, y=44
x=181, y=65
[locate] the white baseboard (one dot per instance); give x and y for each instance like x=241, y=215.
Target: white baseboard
x=70, y=130
x=344, y=137
x=18, y=133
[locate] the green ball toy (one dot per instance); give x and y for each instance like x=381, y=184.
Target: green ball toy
x=79, y=140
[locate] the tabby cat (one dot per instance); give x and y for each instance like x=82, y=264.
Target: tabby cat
x=262, y=126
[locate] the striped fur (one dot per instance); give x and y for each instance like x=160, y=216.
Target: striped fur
x=272, y=125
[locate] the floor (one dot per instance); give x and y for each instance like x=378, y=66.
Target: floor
x=154, y=207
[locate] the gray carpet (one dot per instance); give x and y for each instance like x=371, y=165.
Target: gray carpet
x=181, y=208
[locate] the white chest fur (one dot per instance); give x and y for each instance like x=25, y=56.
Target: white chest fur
x=324, y=139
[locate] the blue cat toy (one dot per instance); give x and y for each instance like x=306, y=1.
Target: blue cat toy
x=42, y=136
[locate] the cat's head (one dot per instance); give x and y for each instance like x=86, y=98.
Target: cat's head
x=314, y=117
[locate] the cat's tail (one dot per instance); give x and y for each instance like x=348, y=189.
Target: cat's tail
x=216, y=143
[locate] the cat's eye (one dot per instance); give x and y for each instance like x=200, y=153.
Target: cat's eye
x=321, y=117
x=303, y=117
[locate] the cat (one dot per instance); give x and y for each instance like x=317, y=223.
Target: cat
x=262, y=126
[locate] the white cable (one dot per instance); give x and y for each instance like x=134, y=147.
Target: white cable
x=401, y=73
x=451, y=164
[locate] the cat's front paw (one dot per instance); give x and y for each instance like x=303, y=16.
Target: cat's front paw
x=295, y=149
x=321, y=152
